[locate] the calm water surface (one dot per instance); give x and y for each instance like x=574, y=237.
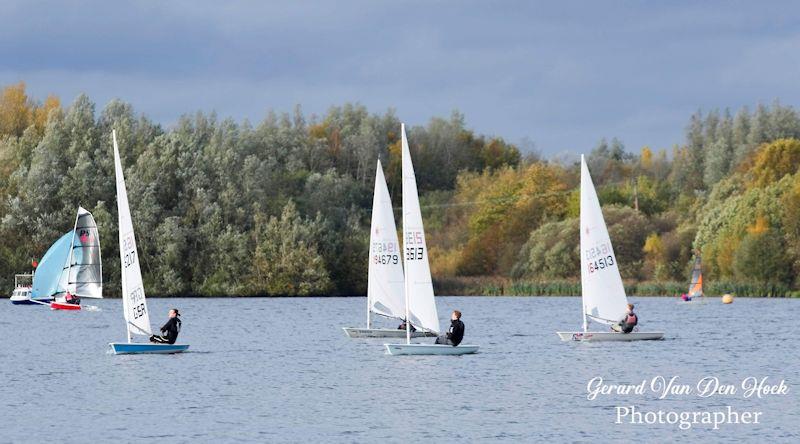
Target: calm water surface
x=281, y=370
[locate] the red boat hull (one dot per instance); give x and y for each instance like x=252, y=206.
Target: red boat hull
x=63, y=306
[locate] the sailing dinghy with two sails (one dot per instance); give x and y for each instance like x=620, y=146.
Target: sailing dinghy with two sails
x=385, y=282
x=82, y=276
x=420, y=305
x=137, y=318
x=603, y=295
x=695, y=294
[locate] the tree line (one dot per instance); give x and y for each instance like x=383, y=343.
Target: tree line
x=282, y=206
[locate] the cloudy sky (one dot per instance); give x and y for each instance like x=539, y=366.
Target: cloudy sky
x=562, y=74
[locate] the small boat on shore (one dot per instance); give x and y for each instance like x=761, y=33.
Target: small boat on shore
x=603, y=295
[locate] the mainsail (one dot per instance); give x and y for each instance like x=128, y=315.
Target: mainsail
x=133, y=301
x=604, y=298
x=84, y=270
x=385, y=285
x=418, y=284
x=696, y=286
x=50, y=278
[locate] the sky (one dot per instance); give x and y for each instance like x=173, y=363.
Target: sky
x=555, y=75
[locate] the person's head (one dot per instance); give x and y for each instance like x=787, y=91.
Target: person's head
x=456, y=315
x=630, y=307
x=174, y=313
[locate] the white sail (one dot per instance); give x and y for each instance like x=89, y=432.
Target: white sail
x=385, y=285
x=85, y=272
x=604, y=298
x=418, y=285
x=133, y=300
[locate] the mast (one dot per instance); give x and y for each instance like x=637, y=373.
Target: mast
x=72, y=249
x=368, y=309
x=405, y=274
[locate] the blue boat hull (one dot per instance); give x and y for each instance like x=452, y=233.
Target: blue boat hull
x=45, y=302
x=134, y=348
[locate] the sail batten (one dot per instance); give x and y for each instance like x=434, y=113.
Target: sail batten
x=603, y=293
x=133, y=298
x=418, y=283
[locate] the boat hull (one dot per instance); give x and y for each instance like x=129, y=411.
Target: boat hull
x=354, y=332
x=597, y=336
x=139, y=348
x=700, y=301
x=64, y=306
x=29, y=301
x=429, y=349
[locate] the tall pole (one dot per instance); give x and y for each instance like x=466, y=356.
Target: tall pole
x=405, y=240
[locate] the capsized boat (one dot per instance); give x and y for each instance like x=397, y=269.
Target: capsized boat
x=603, y=295
x=82, y=274
x=137, y=318
x=420, y=305
x=385, y=283
x=695, y=294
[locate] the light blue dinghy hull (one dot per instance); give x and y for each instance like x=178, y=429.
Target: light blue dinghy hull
x=354, y=332
x=429, y=349
x=137, y=348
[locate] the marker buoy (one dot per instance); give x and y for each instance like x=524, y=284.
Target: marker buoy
x=727, y=299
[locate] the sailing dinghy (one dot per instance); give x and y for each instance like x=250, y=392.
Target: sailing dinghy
x=695, y=294
x=603, y=295
x=385, y=283
x=420, y=306
x=82, y=274
x=137, y=319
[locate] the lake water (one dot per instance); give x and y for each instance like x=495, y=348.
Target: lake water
x=282, y=370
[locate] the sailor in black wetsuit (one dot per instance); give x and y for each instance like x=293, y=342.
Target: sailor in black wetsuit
x=629, y=321
x=170, y=330
x=403, y=327
x=456, y=332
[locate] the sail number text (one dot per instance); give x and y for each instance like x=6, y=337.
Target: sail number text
x=599, y=257
x=384, y=253
x=414, y=245
x=130, y=256
x=137, y=303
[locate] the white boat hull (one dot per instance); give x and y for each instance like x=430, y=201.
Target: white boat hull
x=429, y=349
x=354, y=332
x=597, y=336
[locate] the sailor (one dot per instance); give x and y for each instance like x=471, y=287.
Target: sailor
x=170, y=330
x=70, y=298
x=455, y=333
x=629, y=321
x=402, y=326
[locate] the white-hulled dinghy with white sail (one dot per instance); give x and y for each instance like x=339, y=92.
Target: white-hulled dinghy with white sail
x=385, y=283
x=603, y=295
x=420, y=305
x=137, y=319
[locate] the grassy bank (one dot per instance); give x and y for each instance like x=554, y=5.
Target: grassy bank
x=495, y=286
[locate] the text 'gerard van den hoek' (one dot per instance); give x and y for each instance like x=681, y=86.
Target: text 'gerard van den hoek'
x=706, y=387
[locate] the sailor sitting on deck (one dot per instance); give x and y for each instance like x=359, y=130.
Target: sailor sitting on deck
x=628, y=322
x=70, y=298
x=403, y=326
x=456, y=332
x=170, y=330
